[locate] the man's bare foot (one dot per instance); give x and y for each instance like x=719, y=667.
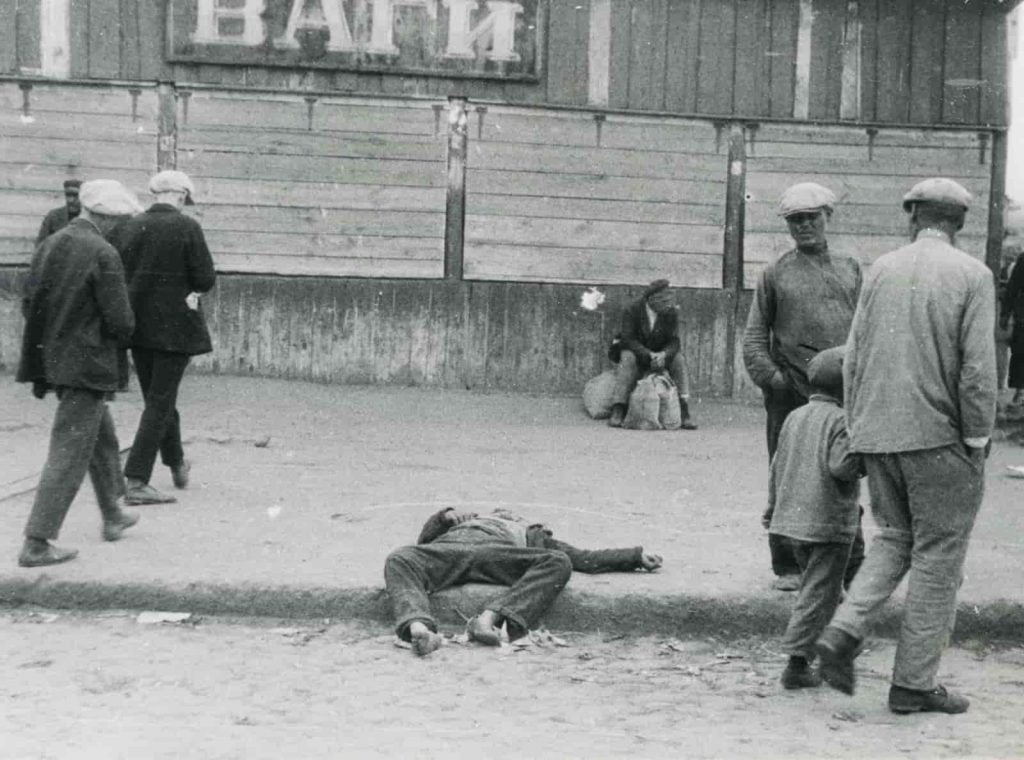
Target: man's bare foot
x=483, y=628
x=424, y=641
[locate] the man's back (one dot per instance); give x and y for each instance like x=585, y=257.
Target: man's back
x=920, y=365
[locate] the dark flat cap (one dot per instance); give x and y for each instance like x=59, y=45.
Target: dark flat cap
x=655, y=287
x=69, y=183
x=826, y=369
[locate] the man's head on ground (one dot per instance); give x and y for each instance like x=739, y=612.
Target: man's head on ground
x=807, y=207
x=659, y=297
x=937, y=203
x=825, y=371
x=173, y=188
x=71, y=196
x=107, y=203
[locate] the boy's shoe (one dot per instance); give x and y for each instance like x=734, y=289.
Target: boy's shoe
x=904, y=701
x=798, y=675
x=179, y=474
x=837, y=649
x=47, y=554
x=114, y=529
x=143, y=493
x=789, y=582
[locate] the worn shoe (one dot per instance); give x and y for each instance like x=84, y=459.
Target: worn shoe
x=684, y=409
x=144, y=493
x=798, y=675
x=903, y=701
x=618, y=416
x=837, y=650
x=48, y=554
x=786, y=583
x=114, y=529
x=179, y=474
x=484, y=634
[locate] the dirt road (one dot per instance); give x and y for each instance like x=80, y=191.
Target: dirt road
x=107, y=686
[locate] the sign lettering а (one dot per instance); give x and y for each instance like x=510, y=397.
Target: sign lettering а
x=246, y=25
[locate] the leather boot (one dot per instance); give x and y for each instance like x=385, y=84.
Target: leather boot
x=684, y=413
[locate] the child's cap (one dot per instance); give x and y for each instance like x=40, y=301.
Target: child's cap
x=825, y=370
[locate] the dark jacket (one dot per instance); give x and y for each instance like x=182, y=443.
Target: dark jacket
x=540, y=537
x=76, y=312
x=1013, y=303
x=637, y=334
x=55, y=219
x=165, y=258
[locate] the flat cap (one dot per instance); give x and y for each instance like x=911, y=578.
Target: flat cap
x=173, y=181
x=72, y=183
x=109, y=197
x=804, y=197
x=825, y=370
x=655, y=287
x=938, y=190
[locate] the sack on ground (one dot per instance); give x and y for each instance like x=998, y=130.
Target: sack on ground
x=597, y=395
x=654, y=404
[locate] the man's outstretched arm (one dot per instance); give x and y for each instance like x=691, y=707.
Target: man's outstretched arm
x=606, y=560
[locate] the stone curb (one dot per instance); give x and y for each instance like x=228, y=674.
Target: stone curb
x=679, y=615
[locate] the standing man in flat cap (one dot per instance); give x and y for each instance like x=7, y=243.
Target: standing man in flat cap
x=77, y=317
x=167, y=265
x=803, y=304
x=58, y=218
x=649, y=341
x=920, y=379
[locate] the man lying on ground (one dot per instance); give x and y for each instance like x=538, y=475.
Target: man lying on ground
x=455, y=548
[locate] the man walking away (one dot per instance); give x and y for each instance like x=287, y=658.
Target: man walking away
x=167, y=265
x=76, y=318
x=920, y=380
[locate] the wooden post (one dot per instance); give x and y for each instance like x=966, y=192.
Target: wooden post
x=455, y=209
x=167, y=127
x=732, y=261
x=996, y=204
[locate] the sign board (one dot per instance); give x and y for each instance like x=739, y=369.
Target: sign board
x=448, y=38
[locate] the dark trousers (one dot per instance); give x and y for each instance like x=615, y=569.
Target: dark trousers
x=823, y=568
x=777, y=406
x=631, y=367
x=82, y=439
x=160, y=375
x=535, y=578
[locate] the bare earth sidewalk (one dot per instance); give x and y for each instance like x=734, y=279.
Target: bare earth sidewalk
x=300, y=490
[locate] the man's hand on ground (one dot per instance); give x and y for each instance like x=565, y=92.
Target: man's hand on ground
x=650, y=562
x=454, y=517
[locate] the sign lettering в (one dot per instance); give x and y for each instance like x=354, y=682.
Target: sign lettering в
x=476, y=38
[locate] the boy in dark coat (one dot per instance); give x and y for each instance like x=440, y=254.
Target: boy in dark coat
x=455, y=548
x=812, y=505
x=649, y=341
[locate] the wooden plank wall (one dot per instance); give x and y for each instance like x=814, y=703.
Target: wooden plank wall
x=80, y=132
x=342, y=187
x=565, y=197
x=921, y=61
x=870, y=182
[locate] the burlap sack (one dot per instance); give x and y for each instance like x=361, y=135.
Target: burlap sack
x=654, y=404
x=597, y=395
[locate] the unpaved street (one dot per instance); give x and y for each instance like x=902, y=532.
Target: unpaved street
x=106, y=686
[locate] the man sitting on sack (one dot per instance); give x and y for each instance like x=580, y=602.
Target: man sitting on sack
x=649, y=341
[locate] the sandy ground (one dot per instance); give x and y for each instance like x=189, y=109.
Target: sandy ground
x=106, y=686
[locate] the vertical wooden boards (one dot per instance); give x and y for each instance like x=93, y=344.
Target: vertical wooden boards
x=151, y=35
x=927, y=60
x=621, y=45
x=549, y=199
x=682, y=55
x=104, y=39
x=892, y=64
x=27, y=34
x=870, y=184
x=568, y=34
x=826, y=66
x=8, y=37
x=647, y=55
x=599, y=48
x=751, y=96
x=802, y=82
x=80, y=39
x=850, y=98
x=994, y=91
x=54, y=43
x=130, y=64
x=961, y=99
x=782, y=56
x=869, y=31
x=81, y=132
x=717, y=58
x=318, y=185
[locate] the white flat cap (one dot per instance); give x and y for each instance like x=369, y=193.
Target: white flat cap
x=108, y=197
x=938, y=190
x=172, y=181
x=804, y=197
